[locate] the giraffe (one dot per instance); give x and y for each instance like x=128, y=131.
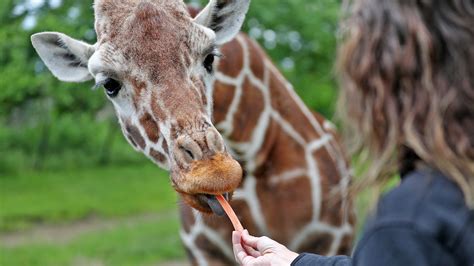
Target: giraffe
x=289, y=154
x=156, y=65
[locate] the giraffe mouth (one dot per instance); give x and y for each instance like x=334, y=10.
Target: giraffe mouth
x=212, y=202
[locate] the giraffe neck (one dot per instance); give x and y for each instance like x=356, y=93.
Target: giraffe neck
x=251, y=97
x=256, y=110
x=288, y=154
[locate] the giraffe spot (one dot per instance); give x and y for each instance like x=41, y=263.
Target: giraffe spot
x=164, y=145
x=292, y=196
x=158, y=156
x=345, y=248
x=212, y=252
x=290, y=110
x=319, y=243
x=138, y=85
x=250, y=109
x=284, y=145
x=187, y=217
x=331, y=211
x=223, y=96
x=135, y=135
x=151, y=127
x=257, y=57
x=131, y=141
x=232, y=62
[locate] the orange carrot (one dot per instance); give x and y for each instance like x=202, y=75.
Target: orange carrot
x=228, y=210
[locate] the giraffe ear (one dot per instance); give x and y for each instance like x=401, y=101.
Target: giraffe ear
x=65, y=57
x=224, y=17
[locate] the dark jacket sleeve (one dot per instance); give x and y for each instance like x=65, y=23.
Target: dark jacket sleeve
x=394, y=244
x=308, y=259
x=387, y=245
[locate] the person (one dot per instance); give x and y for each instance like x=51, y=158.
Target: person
x=407, y=95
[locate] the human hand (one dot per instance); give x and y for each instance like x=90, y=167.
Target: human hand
x=250, y=250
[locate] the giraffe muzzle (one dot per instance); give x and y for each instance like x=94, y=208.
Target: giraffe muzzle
x=218, y=175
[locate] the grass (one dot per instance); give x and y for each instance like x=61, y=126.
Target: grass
x=114, y=193
x=145, y=243
x=64, y=196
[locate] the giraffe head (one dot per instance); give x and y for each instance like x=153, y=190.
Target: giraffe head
x=155, y=64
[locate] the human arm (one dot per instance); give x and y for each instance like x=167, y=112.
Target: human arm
x=394, y=244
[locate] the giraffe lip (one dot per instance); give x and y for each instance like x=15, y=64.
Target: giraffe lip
x=212, y=202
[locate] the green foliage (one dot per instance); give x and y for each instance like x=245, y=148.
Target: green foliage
x=304, y=45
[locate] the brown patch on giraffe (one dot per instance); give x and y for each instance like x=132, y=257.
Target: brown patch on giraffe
x=135, y=135
x=158, y=156
x=223, y=96
x=151, y=127
x=131, y=141
x=286, y=206
x=247, y=118
x=283, y=102
x=186, y=215
x=319, y=243
x=331, y=211
x=213, y=253
x=193, y=11
x=164, y=145
x=256, y=56
x=137, y=85
x=232, y=60
x=278, y=160
x=293, y=196
x=242, y=211
x=345, y=248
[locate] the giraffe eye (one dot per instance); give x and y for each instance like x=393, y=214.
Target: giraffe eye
x=112, y=87
x=208, y=62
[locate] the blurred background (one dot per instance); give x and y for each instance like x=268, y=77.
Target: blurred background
x=73, y=192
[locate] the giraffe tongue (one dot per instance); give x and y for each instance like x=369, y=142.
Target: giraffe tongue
x=214, y=205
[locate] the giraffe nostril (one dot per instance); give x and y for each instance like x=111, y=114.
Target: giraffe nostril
x=189, y=154
x=187, y=150
x=214, y=140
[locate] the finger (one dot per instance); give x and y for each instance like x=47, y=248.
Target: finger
x=249, y=240
x=244, y=259
x=237, y=247
x=247, y=260
x=251, y=251
x=236, y=237
x=265, y=244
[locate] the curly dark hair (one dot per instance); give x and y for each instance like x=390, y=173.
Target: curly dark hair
x=407, y=77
